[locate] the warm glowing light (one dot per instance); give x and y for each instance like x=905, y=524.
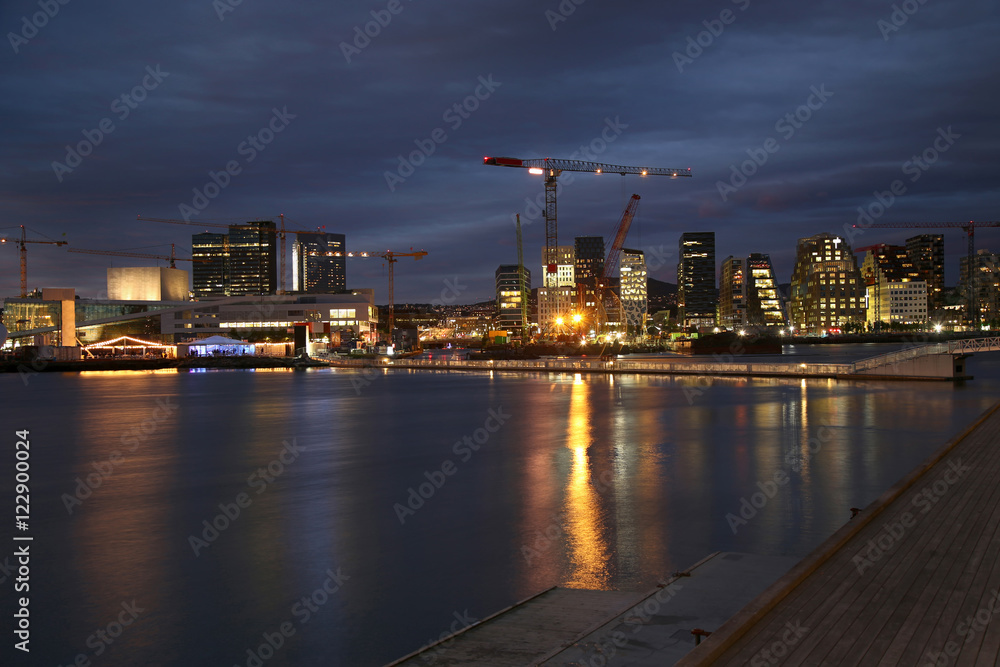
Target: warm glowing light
x=598, y=171
x=643, y=172
x=115, y=343
x=535, y=170
x=938, y=327
x=715, y=330
x=577, y=317
x=559, y=321
x=742, y=332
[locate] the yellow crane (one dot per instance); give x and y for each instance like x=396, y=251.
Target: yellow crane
x=24, y=255
x=390, y=257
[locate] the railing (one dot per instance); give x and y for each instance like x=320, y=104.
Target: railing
x=900, y=355
x=974, y=345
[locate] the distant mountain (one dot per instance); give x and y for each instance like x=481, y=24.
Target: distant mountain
x=659, y=287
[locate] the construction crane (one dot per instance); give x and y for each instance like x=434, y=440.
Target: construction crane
x=970, y=231
x=552, y=168
x=614, y=254
x=281, y=231
x=390, y=257
x=520, y=284
x=141, y=255
x=22, y=247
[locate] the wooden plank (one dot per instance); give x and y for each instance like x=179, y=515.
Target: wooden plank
x=926, y=560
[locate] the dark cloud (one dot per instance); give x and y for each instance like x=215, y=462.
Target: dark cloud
x=557, y=90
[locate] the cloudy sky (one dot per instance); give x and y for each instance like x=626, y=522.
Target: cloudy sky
x=113, y=109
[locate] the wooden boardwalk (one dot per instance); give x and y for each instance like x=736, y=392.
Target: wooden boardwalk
x=913, y=580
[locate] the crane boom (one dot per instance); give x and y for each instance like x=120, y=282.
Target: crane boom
x=390, y=257
x=139, y=255
x=552, y=168
x=615, y=251
x=23, y=255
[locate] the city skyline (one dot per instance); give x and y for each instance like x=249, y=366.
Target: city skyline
x=790, y=117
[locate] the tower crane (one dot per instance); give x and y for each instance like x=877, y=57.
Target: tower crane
x=614, y=253
x=390, y=257
x=521, y=287
x=970, y=231
x=23, y=251
x=552, y=168
x=281, y=231
x=141, y=255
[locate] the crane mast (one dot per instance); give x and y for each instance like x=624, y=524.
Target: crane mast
x=521, y=286
x=970, y=230
x=552, y=168
x=22, y=242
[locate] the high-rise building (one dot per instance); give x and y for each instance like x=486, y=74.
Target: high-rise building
x=319, y=263
x=827, y=288
x=555, y=303
x=732, y=293
x=926, y=251
x=987, y=284
x=633, y=285
x=210, y=268
x=696, y=280
x=253, y=255
x=589, y=256
x=565, y=270
x=764, y=306
x=244, y=261
x=508, y=287
x=885, y=265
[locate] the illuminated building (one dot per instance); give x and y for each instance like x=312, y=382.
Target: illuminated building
x=897, y=302
x=926, y=252
x=827, y=288
x=147, y=283
x=508, y=286
x=732, y=294
x=764, y=303
x=633, y=285
x=244, y=261
x=696, y=280
x=987, y=285
x=319, y=263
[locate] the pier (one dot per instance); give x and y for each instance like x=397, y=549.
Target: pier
x=913, y=579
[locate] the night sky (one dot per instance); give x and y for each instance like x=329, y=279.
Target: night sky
x=705, y=85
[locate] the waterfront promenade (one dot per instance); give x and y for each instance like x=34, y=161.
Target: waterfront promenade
x=912, y=580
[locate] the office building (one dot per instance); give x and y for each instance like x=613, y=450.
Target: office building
x=926, y=252
x=244, y=261
x=764, y=302
x=696, y=297
x=555, y=304
x=632, y=286
x=987, y=284
x=508, y=288
x=827, y=288
x=732, y=294
x=897, y=303
x=319, y=263
x=565, y=269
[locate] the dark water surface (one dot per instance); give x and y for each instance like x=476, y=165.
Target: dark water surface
x=589, y=481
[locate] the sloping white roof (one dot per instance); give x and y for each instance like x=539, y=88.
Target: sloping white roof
x=217, y=340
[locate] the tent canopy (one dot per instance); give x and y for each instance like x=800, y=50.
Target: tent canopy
x=217, y=340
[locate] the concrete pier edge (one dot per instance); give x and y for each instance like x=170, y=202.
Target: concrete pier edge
x=730, y=632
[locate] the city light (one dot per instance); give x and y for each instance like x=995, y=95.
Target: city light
x=559, y=321
x=536, y=171
x=938, y=328
x=577, y=317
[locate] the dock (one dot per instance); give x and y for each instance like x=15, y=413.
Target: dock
x=913, y=579
x=566, y=626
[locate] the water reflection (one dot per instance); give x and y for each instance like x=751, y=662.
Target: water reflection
x=585, y=522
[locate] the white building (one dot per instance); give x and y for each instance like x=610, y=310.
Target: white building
x=565, y=275
x=555, y=303
x=633, y=283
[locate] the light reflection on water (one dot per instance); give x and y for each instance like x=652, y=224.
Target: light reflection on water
x=593, y=482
